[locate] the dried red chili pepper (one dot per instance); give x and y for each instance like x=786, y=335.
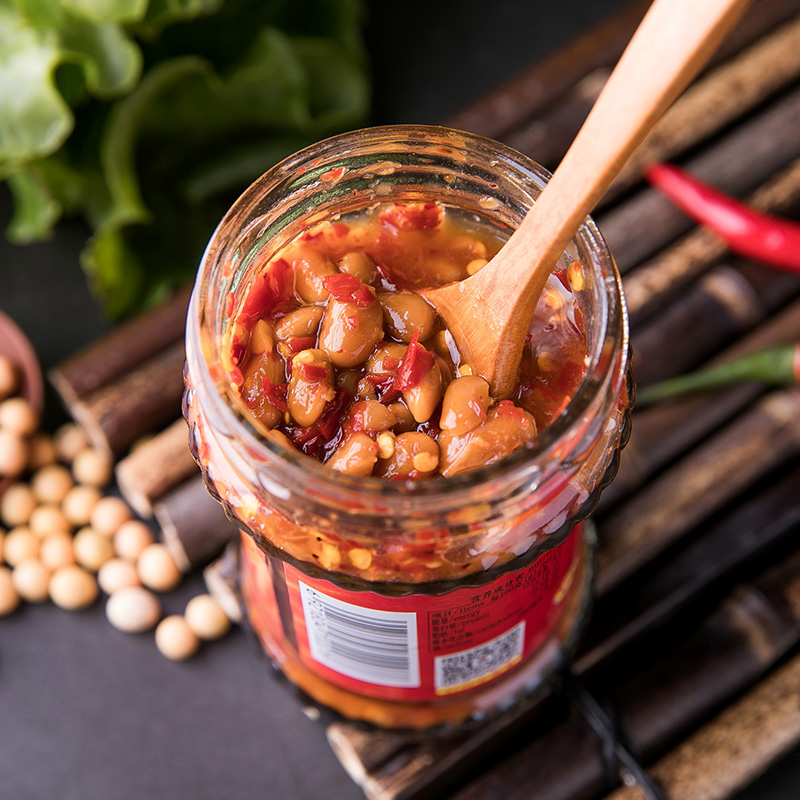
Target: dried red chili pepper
x=275, y=394
x=413, y=366
x=268, y=291
x=324, y=434
x=238, y=352
x=412, y=216
x=384, y=386
x=302, y=343
x=333, y=416
x=348, y=289
x=747, y=232
x=314, y=373
x=775, y=366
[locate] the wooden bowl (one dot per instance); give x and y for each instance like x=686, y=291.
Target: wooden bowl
x=15, y=345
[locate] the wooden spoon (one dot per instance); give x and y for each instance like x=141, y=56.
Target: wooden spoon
x=489, y=313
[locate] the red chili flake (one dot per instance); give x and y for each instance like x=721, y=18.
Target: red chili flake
x=251, y=400
x=412, y=217
x=352, y=322
x=302, y=343
x=309, y=440
x=275, y=394
x=383, y=386
x=333, y=416
x=414, y=365
x=269, y=289
x=311, y=237
x=340, y=229
x=388, y=278
x=364, y=297
x=238, y=352
x=325, y=433
x=390, y=362
x=341, y=285
x=236, y=376
x=355, y=418
x=507, y=408
x=314, y=373
x=332, y=174
x=229, y=303
x=348, y=288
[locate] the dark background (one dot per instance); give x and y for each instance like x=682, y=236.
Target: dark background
x=87, y=712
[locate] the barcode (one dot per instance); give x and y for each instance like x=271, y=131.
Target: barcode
x=457, y=670
x=367, y=644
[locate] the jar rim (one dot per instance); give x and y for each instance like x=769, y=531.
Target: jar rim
x=305, y=469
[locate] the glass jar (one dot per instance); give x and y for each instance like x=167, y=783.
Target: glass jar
x=408, y=604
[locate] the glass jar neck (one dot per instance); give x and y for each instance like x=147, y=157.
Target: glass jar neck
x=358, y=170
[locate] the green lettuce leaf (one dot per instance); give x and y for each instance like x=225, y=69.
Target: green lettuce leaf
x=34, y=118
x=35, y=208
x=149, y=118
x=121, y=11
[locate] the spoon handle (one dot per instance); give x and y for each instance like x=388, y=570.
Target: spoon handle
x=673, y=41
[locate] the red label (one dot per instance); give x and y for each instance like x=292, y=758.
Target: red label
x=420, y=647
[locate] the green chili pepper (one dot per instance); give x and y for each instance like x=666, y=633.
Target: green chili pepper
x=775, y=366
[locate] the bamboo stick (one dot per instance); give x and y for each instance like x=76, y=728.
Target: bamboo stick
x=736, y=163
x=665, y=431
x=542, y=85
x=140, y=402
x=646, y=601
x=539, y=87
x=722, y=96
x=713, y=102
x=698, y=485
x=221, y=577
x=125, y=348
x=661, y=279
x=156, y=467
x=562, y=759
x=193, y=525
x=736, y=747
x=727, y=302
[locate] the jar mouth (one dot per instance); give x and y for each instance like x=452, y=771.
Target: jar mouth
x=606, y=367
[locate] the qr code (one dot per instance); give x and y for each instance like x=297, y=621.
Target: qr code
x=477, y=664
